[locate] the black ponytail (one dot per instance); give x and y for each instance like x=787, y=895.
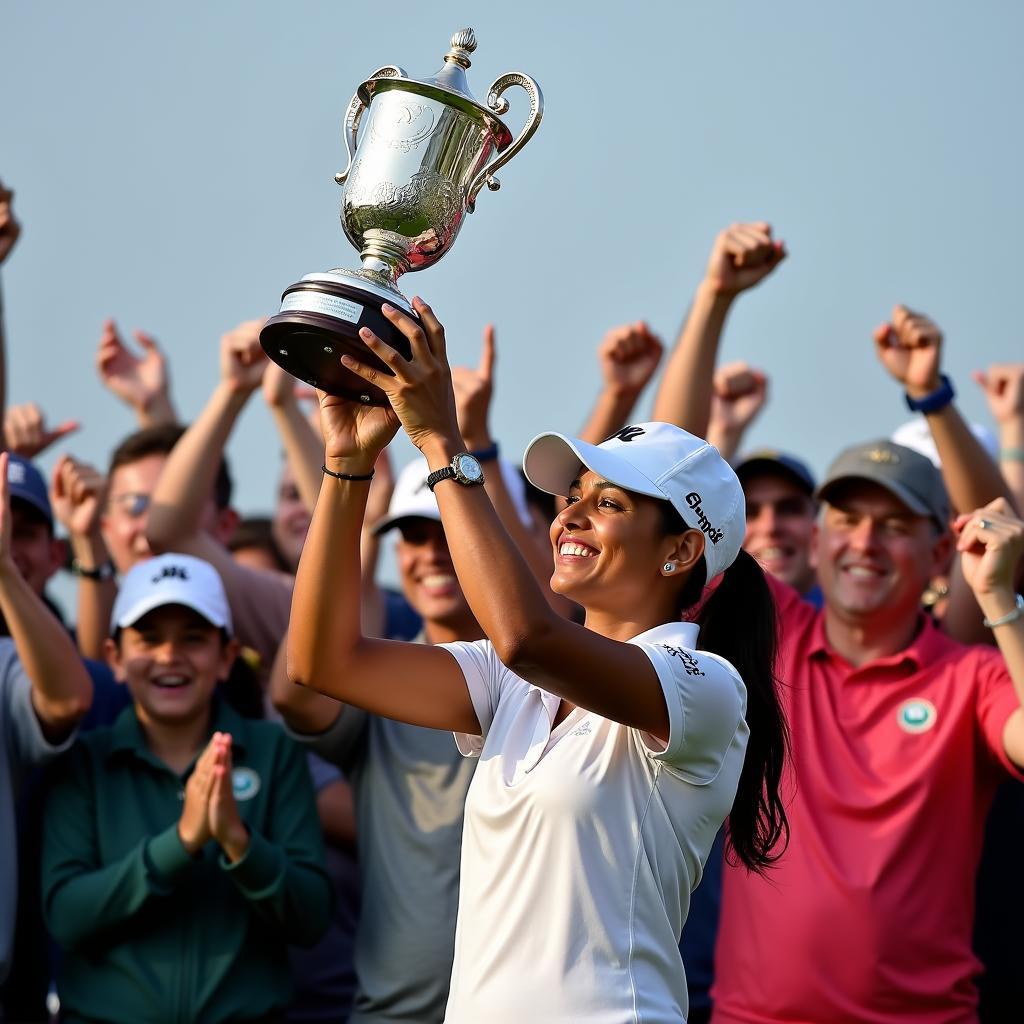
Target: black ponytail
x=738, y=623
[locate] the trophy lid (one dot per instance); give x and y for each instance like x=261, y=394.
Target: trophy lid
x=449, y=86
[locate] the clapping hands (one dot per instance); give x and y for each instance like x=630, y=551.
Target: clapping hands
x=210, y=810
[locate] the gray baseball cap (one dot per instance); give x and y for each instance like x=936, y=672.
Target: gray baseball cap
x=907, y=474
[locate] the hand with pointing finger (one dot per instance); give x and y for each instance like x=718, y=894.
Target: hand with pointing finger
x=26, y=432
x=474, y=390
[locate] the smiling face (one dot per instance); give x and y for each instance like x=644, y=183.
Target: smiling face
x=610, y=547
x=291, y=519
x=875, y=556
x=780, y=527
x=171, y=659
x=34, y=550
x=428, y=575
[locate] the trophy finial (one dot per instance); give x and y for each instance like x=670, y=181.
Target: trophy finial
x=463, y=43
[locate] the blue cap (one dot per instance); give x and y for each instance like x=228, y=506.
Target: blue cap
x=26, y=483
x=773, y=461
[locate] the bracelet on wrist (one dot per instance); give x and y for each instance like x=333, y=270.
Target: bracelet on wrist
x=1011, y=454
x=348, y=476
x=104, y=571
x=1011, y=616
x=935, y=401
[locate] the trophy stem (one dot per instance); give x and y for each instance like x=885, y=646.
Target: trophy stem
x=385, y=253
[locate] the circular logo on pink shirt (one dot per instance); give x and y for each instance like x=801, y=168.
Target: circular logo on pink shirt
x=917, y=715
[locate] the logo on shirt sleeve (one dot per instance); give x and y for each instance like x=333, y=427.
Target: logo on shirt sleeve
x=917, y=715
x=690, y=663
x=245, y=783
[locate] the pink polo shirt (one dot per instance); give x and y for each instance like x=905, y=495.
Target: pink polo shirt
x=868, y=915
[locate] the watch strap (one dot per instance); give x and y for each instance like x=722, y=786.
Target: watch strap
x=433, y=479
x=103, y=571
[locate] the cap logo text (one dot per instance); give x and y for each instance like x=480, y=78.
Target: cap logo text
x=173, y=572
x=693, y=499
x=627, y=434
x=881, y=455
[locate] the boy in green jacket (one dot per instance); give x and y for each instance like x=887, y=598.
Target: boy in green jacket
x=182, y=849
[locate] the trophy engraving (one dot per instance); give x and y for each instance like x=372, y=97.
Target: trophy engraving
x=419, y=152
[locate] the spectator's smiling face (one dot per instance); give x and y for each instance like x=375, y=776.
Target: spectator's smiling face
x=34, y=550
x=291, y=519
x=780, y=527
x=875, y=556
x=127, y=508
x=171, y=660
x=428, y=575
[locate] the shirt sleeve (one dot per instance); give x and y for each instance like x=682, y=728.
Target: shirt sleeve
x=338, y=743
x=997, y=700
x=25, y=735
x=483, y=674
x=81, y=896
x=706, y=703
x=282, y=873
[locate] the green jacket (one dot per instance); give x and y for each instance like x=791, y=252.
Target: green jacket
x=152, y=934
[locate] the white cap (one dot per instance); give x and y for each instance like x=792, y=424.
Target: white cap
x=413, y=499
x=171, y=579
x=661, y=461
x=916, y=435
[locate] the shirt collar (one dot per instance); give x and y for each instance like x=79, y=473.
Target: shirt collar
x=925, y=647
x=128, y=737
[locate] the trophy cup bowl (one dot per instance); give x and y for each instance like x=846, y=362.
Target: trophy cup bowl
x=420, y=150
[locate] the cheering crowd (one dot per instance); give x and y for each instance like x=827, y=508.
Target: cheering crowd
x=730, y=743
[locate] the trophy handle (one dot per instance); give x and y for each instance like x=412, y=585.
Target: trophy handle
x=354, y=115
x=499, y=105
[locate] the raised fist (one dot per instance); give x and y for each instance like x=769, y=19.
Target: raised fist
x=242, y=360
x=628, y=357
x=910, y=348
x=10, y=229
x=1003, y=385
x=743, y=255
x=76, y=494
x=740, y=393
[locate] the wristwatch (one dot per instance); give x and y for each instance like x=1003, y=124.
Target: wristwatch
x=464, y=469
x=103, y=572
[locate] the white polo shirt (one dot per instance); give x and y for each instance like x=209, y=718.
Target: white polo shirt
x=582, y=843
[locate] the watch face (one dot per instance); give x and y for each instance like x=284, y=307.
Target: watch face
x=469, y=468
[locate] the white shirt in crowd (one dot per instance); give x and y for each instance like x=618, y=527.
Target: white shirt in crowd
x=582, y=843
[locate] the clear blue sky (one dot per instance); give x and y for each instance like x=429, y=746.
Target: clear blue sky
x=174, y=168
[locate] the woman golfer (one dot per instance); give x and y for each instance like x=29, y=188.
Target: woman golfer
x=610, y=753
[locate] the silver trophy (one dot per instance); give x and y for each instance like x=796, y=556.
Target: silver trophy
x=420, y=150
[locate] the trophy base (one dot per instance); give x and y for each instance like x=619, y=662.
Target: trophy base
x=319, y=322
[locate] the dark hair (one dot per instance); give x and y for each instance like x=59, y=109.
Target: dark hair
x=546, y=504
x=160, y=440
x=258, y=532
x=738, y=623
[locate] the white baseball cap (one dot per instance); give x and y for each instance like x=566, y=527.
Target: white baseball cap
x=413, y=499
x=171, y=579
x=916, y=434
x=661, y=461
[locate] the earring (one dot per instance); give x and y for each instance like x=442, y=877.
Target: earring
x=669, y=567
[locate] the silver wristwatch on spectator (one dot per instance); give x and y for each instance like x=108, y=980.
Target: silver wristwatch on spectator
x=464, y=469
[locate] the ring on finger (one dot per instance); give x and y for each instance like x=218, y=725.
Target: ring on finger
x=984, y=524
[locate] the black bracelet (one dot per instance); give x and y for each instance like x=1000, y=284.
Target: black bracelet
x=347, y=476
x=104, y=571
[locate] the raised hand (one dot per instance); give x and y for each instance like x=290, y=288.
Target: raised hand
x=991, y=543
x=242, y=361
x=628, y=357
x=910, y=348
x=280, y=387
x=26, y=433
x=1003, y=385
x=743, y=256
x=420, y=390
x=10, y=229
x=739, y=394
x=474, y=390
x=194, y=822
x=76, y=494
x=225, y=823
x=142, y=382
